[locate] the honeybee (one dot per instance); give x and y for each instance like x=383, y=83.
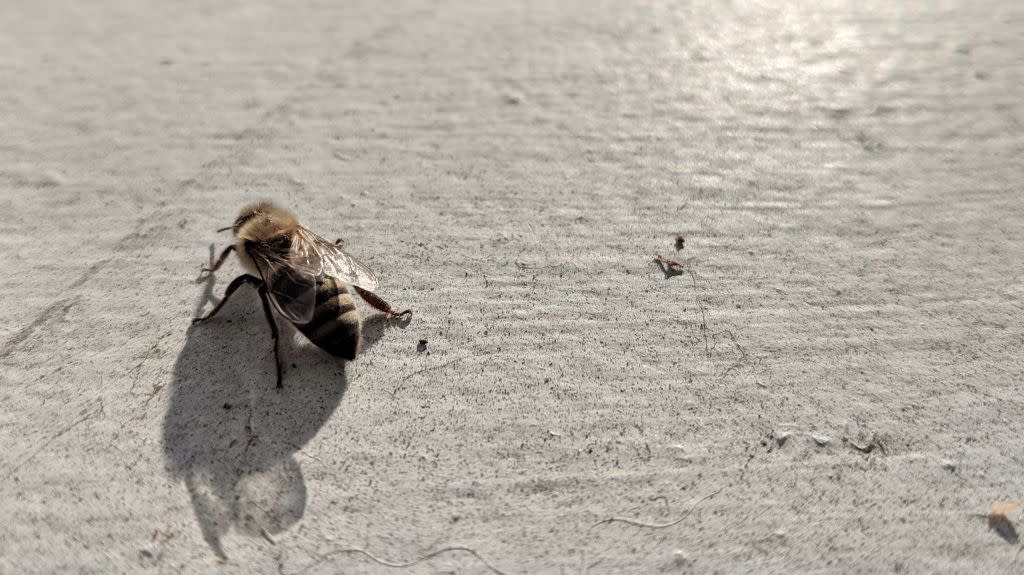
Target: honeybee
x=302, y=276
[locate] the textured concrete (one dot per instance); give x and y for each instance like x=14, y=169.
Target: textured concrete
x=839, y=367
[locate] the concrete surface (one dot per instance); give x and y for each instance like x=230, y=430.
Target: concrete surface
x=835, y=387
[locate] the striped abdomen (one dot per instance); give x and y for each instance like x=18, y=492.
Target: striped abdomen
x=335, y=323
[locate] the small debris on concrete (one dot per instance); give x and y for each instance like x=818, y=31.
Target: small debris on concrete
x=681, y=558
x=669, y=267
x=1000, y=519
x=781, y=437
x=868, y=447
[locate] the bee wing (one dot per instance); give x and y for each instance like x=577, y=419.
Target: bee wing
x=331, y=260
x=290, y=279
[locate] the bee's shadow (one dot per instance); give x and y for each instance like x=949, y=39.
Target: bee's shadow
x=231, y=435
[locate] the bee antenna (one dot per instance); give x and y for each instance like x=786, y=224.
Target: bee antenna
x=225, y=229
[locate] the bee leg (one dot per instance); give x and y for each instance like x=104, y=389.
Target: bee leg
x=273, y=331
x=379, y=303
x=220, y=261
x=234, y=285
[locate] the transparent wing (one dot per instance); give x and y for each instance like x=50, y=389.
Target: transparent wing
x=290, y=278
x=328, y=259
